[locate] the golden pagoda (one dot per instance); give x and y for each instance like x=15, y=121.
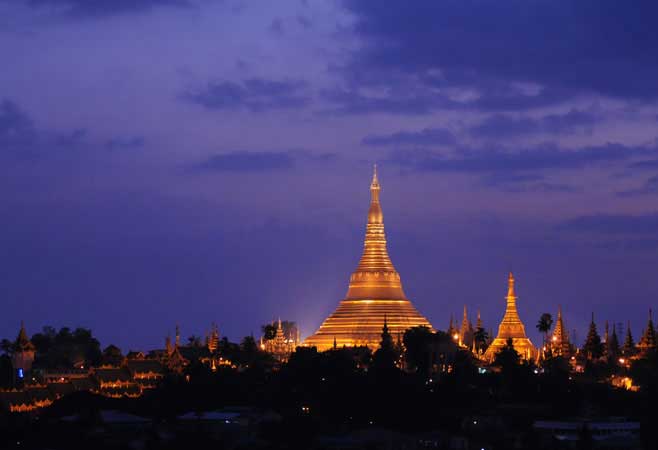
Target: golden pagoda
x=374, y=294
x=511, y=327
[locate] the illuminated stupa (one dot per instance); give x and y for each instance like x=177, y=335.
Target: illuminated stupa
x=511, y=327
x=375, y=294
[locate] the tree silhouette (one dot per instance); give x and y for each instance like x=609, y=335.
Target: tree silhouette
x=507, y=358
x=544, y=325
x=418, y=344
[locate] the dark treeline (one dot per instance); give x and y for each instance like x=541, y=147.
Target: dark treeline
x=440, y=387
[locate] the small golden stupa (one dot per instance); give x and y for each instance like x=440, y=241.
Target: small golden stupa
x=511, y=327
x=375, y=294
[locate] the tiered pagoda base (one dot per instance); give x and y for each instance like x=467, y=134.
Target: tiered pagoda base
x=360, y=322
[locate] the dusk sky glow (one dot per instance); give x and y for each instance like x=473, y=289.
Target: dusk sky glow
x=190, y=161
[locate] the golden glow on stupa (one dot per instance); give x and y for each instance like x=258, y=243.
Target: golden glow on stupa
x=511, y=327
x=375, y=294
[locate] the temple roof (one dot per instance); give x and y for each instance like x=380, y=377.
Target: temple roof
x=23, y=342
x=144, y=366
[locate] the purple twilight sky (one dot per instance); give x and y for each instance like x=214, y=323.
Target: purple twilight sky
x=190, y=161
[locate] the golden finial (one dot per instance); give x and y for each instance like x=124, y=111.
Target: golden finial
x=375, y=181
x=510, y=285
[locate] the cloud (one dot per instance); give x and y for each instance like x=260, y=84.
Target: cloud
x=125, y=143
x=254, y=94
x=249, y=161
x=533, y=159
x=511, y=56
x=276, y=27
x=516, y=182
x=505, y=126
x=418, y=95
x=424, y=137
x=72, y=138
x=649, y=164
x=304, y=22
x=612, y=224
x=99, y=8
x=650, y=186
x=523, y=170
x=16, y=127
x=350, y=101
x=253, y=161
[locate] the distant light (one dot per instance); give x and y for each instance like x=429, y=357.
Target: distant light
x=20, y=375
x=622, y=361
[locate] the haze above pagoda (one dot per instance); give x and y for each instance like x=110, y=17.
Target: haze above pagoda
x=375, y=294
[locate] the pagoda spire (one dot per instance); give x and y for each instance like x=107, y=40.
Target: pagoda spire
x=465, y=332
x=375, y=278
x=23, y=341
x=648, y=340
x=22, y=334
x=511, y=317
x=629, y=344
x=511, y=327
x=593, y=348
x=560, y=339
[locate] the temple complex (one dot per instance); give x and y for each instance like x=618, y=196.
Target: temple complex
x=511, y=327
x=280, y=346
x=375, y=291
